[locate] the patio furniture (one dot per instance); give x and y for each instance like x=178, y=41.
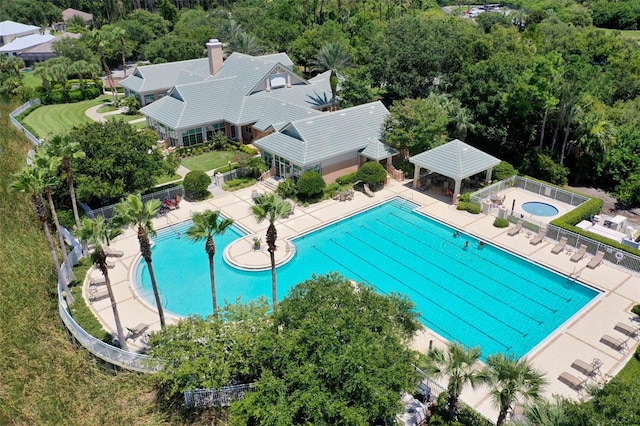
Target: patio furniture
x=497, y=200
x=97, y=292
x=137, y=331
x=560, y=246
x=517, y=412
x=612, y=342
x=426, y=185
x=597, y=260
x=112, y=252
x=572, y=381
x=368, y=191
x=538, y=238
x=577, y=256
x=627, y=329
x=516, y=229
x=588, y=369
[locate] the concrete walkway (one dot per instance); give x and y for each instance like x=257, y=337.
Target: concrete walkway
x=578, y=338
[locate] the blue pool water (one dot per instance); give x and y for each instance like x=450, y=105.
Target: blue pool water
x=538, y=208
x=477, y=296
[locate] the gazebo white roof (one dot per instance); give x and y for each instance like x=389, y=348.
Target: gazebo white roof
x=455, y=159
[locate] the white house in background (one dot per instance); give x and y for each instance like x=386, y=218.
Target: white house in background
x=10, y=30
x=25, y=43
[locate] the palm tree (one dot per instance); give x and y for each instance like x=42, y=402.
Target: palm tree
x=244, y=43
x=30, y=181
x=332, y=57
x=510, y=380
x=460, y=365
x=63, y=147
x=96, y=232
x=100, y=40
x=49, y=165
x=132, y=211
x=205, y=226
x=271, y=207
x=547, y=413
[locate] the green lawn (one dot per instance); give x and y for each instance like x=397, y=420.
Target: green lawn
x=167, y=178
x=209, y=161
x=54, y=119
x=30, y=79
x=124, y=117
x=106, y=108
x=630, y=34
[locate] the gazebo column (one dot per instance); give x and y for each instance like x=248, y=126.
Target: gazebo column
x=416, y=176
x=457, y=188
x=489, y=170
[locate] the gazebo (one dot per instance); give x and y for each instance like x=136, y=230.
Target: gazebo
x=456, y=160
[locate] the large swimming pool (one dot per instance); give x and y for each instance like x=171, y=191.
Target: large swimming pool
x=476, y=295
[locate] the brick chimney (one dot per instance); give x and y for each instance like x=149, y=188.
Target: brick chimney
x=215, y=53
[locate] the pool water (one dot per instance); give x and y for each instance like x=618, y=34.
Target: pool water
x=478, y=296
x=538, y=208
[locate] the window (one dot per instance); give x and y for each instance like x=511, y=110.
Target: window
x=149, y=97
x=278, y=80
x=215, y=127
x=192, y=137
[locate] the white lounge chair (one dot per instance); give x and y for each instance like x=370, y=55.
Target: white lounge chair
x=572, y=381
x=368, y=191
x=627, y=329
x=577, y=256
x=112, y=252
x=515, y=230
x=617, y=344
x=137, y=331
x=560, y=246
x=597, y=260
x=538, y=238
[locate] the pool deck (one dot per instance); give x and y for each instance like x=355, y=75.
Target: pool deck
x=578, y=338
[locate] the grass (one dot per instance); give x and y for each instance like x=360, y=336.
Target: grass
x=106, y=108
x=30, y=79
x=167, y=178
x=54, y=119
x=208, y=161
x=45, y=379
x=124, y=117
x=630, y=34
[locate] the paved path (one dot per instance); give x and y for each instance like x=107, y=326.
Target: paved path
x=93, y=114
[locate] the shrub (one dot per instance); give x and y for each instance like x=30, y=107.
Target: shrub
x=256, y=166
x=235, y=184
x=542, y=166
x=348, y=179
x=470, y=207
x=287, y=188
x=372, y=173
x=465, y=197
x=66, y=219
x=503, y=171
x=311, y=184
x=332, y=189
x=636, y=310
x=196, y=184
x=501, y=223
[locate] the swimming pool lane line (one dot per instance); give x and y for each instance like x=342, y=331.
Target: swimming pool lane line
x=440, y=306
x=443, y=296
x=465, y=265
x=447, y=290
x=498, y=266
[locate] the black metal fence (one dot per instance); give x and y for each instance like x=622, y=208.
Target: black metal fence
x=217, y=397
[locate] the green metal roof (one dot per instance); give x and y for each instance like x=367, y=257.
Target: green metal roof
x=455, y=159
x=311, y=140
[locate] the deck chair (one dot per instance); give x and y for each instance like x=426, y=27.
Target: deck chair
x=577, y=256
x=617, y=344
x=516, y=229
x=368, y=191
x=97, y=292
x=560, y=246
x=572, y=381
x=538, y=238
x=112, y=252
x=137, y=331
x=585, y=368
x=597, y=260
x=627, y=329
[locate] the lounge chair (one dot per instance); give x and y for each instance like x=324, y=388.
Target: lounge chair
x=516, y=229
x=517, y=412
x=112, y=252
x=560, y=246
x=597, y=260
x=627, y=329
x=368, y=191
x=577, y=256
x=538, y=238
x=137, y=331
x=97, y=292
x=617, y=344
x=572, y=381
x=585, y=368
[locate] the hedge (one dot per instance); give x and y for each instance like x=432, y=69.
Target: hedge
x=470, y=207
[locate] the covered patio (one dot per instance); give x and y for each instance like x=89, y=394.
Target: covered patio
x=456, y=160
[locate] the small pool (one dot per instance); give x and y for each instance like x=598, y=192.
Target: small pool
x=538, y=208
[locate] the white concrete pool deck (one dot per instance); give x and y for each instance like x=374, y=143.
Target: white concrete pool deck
x=578, y=338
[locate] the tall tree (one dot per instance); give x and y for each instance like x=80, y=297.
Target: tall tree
x=64, y=147
x=460, y=365
x=97, y=233
x=205, y=226
x=510, y=380
x=271, y=207
x=30, y=181
x=332, y=57
x=132, y=211
x=100, y=40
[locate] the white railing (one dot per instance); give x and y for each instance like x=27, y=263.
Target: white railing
x=19, y=126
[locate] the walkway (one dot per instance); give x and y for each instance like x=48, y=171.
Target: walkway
x=93, y=114
x=577, y=338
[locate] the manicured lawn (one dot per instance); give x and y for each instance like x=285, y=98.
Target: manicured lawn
x=124, y=117
x=209, y=161
x=30, y=79
x=106, y=108
x=167, y=178
x=54, y=119
x=631, y=34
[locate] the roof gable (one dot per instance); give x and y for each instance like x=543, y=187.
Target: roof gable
x=455, y=159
